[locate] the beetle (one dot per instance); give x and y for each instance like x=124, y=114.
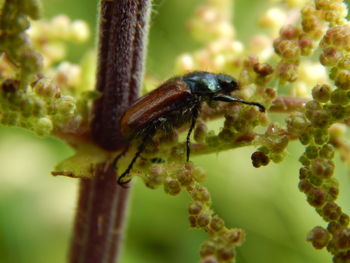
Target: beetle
x=176, y=102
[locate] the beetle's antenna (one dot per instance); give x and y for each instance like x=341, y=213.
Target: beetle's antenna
x=228, y=98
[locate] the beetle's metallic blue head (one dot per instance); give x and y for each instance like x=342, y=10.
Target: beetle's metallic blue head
x=215, y=87
x=205, y=83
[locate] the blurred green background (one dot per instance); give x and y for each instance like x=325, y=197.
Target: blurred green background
x=37, y=209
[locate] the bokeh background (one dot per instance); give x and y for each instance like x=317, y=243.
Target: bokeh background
x=36, y=209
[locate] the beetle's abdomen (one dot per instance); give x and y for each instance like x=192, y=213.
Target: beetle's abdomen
x=166, y=104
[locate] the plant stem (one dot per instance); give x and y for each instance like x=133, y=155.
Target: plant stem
x=288, y=104
x=120, y=67
x=102, y=204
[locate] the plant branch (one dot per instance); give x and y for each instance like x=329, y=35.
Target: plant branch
x=102, y=204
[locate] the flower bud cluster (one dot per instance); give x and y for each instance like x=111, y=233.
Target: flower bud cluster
x=239, y=119
x=221, y=55
x=212, y=21
x=174, y=178
x=291, y=44
x=220, y=248
x=335, y=54
x=39, y=108
x=255, y=72
x=14, y=41
x=287, y=47
x=312, y=21
x=316, y=176
x=49, y=36
x=273, y=144
x=334, y=11
x=273, y=19
x=322, y=190
x=212, y=24
x=294, y=42
x=27, y=98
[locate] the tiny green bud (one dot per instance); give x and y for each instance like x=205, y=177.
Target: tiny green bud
x=195, y=208
x=327, y=151
x=287, y=72
x=235, y=236
x=322, y=168
x=200, y=132
x=288, y=49
x=330, y=56
x=200, y=193
x=311, y=151
x=315, y=180
x=44, y=126
x=340, y=97
x=319, y=237
x=193, y=220
x=304, y=160
x=259, y=158
x=289, y=32
x=316, y=197
x=226, y=253
x=311, y=107
x=305, y=138
x=155, y=176
x=321, y=93
x=216, y=223
x=172, y=186
x=342, y=239
x=304, y=186
x=331, y=211
x=344, y=220
x=333, y=227
x=321, y=136
x=203, y=219
x=199, y=174
x=66, y=106
x=306, y=45
x=304, y=173
x=337, y=112
x=207, y=249
x=296, y=124
x=185, y=177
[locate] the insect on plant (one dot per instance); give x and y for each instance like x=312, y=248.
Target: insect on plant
x=174, y=103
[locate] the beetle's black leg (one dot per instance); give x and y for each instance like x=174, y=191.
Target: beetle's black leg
x=140, y=149
x=188, y=138
x=116, y=159
x=127, y=171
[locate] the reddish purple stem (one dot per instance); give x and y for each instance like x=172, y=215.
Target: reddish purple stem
x=99, y=222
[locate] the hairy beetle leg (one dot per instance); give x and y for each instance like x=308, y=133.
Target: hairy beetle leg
x=140, y=149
